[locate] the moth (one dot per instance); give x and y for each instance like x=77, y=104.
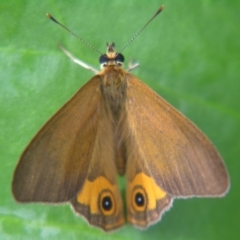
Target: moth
x=116, y=125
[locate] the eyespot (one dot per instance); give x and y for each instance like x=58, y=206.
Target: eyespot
x=107, y=202
x=139, y=199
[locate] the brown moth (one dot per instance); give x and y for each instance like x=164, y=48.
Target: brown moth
x=115, y=124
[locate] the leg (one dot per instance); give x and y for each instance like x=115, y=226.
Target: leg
x=79, y=62
x=132, y=66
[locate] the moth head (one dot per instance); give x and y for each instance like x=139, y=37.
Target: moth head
x=111, y=58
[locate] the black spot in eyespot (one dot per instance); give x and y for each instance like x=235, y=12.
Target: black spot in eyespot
x=107, y=203
x=139, y=199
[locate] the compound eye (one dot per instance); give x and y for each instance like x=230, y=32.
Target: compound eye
x=103, y=60
x=119, y=58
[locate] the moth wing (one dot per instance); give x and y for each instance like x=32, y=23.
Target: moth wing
x=168, y=157
x=50, y=168
x=72, y=159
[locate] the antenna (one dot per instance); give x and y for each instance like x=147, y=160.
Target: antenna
x=90, y=46
x=136, y=35
x=80, y=39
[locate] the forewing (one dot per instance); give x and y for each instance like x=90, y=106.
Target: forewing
x=179, y=157
x=54, y=165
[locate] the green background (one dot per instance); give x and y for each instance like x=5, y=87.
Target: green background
x=190, y=55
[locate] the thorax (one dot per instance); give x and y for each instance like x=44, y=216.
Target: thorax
x=113, y=84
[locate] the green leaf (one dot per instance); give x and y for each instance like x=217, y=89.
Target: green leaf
x=189, y=54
